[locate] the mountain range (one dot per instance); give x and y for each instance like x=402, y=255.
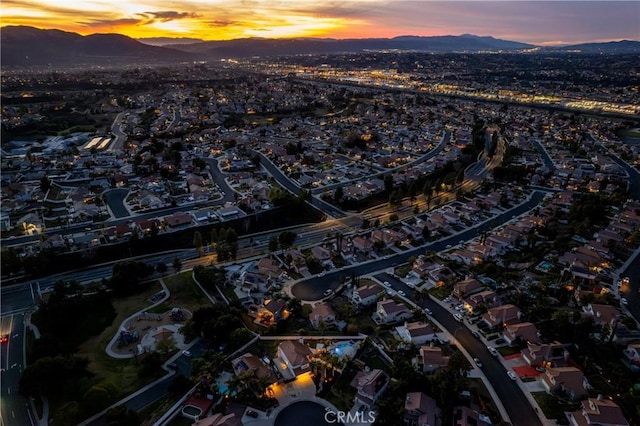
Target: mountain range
x=24, y=46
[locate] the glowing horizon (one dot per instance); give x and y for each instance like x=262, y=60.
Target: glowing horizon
x=535, y=22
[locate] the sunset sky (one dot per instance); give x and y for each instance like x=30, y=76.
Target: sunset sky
x=537, y=22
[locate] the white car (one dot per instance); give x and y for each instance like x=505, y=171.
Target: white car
x=478, y=362
x=401, y=293
x=428, y=311
x=187, y=354
x=624, y=301
x=387, y=284
x=328, y=292
x=492, y=350
x=321, y=274
x=512, y=375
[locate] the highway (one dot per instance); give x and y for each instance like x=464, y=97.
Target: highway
x=14, y=409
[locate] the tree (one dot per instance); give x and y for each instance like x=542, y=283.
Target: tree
x=239, y=337
x=273, y=244
x=286, y=239
x=45, y=183
x=164, y=346
x=161, y=268
x=197, y=241
x=127, y=277
x=122, y=416
x=388, y=183
x=177, y=264
x=338, y=194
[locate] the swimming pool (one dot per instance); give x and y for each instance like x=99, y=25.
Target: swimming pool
x=192, y=412
x=344, y=349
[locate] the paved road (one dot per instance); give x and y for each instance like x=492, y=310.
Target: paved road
x=22, y=297
x=546, y=159
x=284, y=180
x=14, y=409
x=219, y=178
x=115, y=200
x=630, y=292
x=121, y=137
x=313, y=288
x=515, y=402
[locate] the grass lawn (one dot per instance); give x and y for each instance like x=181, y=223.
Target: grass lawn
x=440, y=292
x=552, y=407
x=479, y=391
x=160, y=309
x=402, y=271
x=342, y=393
x=155, y=410
x=121, y=373
x=508, y=350
x=185, y=293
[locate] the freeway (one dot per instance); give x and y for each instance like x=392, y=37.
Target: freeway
x=23, y=297
x=14, y=409
x=313, y=288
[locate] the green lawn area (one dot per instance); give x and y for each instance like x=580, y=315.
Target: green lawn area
x=185, y=293
x=552, y=407
x=342, y=393
x=121, y=373
x=482, y=397
x=440, y=292
x=508, y=350
x=160, y=309
x=402, y=271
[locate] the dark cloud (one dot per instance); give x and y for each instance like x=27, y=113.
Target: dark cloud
x=168, y=15
x=221, y=23
x=110, y=22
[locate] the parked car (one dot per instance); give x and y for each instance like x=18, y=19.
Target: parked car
x=187, y=354
x=478, y=362
x=475, y=334
x=512, y=375
x=428, y=311
x=401, y=293
x=458, y=317
x=172, y=366
x=387, y=284
x=251, y=413
x=492, y=351
x=328, y=292
x=624, y=301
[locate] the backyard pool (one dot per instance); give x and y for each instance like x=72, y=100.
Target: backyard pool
x=344, y=349
x=304, y=412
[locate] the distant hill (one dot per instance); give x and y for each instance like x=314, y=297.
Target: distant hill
x=623, y=46
x=299, y=46
x=168, y=41
x=21, y=45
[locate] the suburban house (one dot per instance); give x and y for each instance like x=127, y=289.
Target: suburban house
x=465, y=416
x=178, y=219
x=254, y=281
x=250, y=362
x=632, y=353
x=502, y=315
x=370, y=385
x=602, y=314
x=487, y=298
x=366, y=295
x=570, y=381
x=270, y=267
x=322, y=313
x=322, y=254
x=430, y=359
x=462, y=289
x=523, y=332
x=362, y=244
x=272, y=311
x=416, y=333
x=545, y=354
x=293, y=358
x=389, y=312
x=597, y=411
x=421, y=410
x=296, y=260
